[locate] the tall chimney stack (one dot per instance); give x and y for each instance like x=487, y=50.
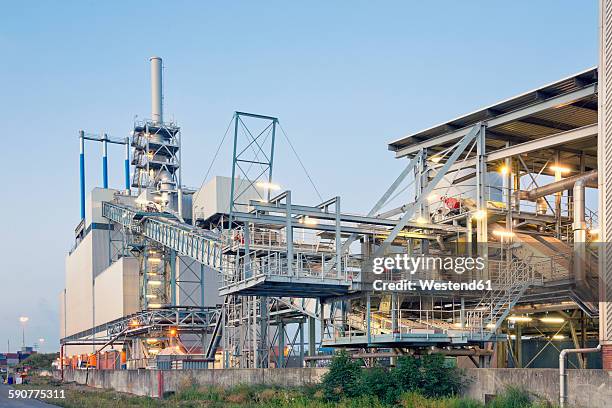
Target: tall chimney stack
x=156, y=90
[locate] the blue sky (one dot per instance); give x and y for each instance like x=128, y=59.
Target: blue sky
x=343, y=77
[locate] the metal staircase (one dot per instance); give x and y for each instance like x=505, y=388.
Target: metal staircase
x=512, y=279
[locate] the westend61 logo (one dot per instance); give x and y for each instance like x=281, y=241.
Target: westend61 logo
x=425, y=264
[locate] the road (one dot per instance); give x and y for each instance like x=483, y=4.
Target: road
x=20, y=402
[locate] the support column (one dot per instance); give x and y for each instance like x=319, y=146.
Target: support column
x=173, y=278
x=263, y=331
x=518, y=348
x=338, y=241
x=302, y=343
x=481, y=196
x=281, y=344
x=289, y=234
x=145, y=279
x=312, y=339
x=368, y=317
x=604, y=152
x=82, y=171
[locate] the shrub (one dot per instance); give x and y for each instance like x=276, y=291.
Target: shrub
x=407, y=373
x=342, y=379
x=512, y=397
x=437, y=379
x=380, y=383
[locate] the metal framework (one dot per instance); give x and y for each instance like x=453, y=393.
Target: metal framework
x=291, y=271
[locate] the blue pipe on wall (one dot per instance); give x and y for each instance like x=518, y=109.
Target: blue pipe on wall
x=127, y=164
x=104, y=162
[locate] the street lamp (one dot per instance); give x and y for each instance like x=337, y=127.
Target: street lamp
x=23, y=320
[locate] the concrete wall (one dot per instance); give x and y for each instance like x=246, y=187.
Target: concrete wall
x=586, y=388
x=147, y=382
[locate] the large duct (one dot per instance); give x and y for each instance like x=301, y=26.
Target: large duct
x=156, y=90
x=579, y=228
x=558, y=186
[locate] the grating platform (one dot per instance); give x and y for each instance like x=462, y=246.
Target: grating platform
x=288, y=286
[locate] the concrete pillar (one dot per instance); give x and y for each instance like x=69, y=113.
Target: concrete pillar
x=518, y=348
x=604, y=153
x=312, y=346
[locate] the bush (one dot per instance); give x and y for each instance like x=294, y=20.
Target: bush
x=429, y=376
x=407, y=373
x=39, y=361
x=513, y=397
x=380, y=383
x=437, y=379
x=416, y=400
x=343, y=378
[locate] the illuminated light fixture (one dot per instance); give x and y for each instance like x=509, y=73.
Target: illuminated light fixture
x=503, y=233
x=503, y=170
x=151, y=296
x=552, y=319
x=558, y=337
x=268, y=185
x=479, y=215
x=490, y=326
x=153, y=350
x=559, y=169
x=155, y=305
x=154, y=260
x=308, y=221
x=24, y=319
x=133, y=323
x=154, y=282
x=172, y=332
x=152, y=274
x=594, y=231
x=520, y=319
x=152, y=341
x=435, y=159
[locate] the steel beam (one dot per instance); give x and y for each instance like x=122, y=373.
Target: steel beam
x=503, y=119
x=459, y=149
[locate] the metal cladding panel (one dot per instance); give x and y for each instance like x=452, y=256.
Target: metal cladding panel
x=115, y=288
x=214, y=197
x=604, y=155
x=79, y=278
x=131, y=285
x=94, y=205
x=188, y=277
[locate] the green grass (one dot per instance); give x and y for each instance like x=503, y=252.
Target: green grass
x=78, y=396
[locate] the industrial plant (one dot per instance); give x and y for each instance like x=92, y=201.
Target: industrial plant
x=237, y=274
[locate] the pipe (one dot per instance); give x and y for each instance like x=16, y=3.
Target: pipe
x=557, y=186
x=156, y=90
x=579, y=228
x=127, y=165
x=563, y=373
x=82, y=171
x=104, y=161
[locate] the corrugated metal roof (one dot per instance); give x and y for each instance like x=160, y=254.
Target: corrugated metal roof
x=581, y=113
